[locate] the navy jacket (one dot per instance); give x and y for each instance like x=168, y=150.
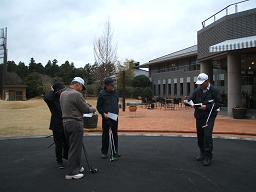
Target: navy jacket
x=108, y=102
x=53, y=102
x=199, y=97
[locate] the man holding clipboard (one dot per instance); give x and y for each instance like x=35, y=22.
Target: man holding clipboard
x=107, y=106
x=206, y=101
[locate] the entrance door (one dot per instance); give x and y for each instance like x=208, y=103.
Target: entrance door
x=248, y=80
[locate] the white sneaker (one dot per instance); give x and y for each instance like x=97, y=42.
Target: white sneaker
x=81, y=170
x=77, y=176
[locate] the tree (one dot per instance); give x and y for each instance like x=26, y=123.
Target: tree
x=11, y=66
x=141, y=81
x=35, y=85
x=128, y=67
x=51, y=68
x=105, y=53
x=66, y=72
x=36, y=67
x=22, y=70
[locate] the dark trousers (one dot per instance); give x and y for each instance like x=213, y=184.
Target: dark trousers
x=74, y=135
x=61, y=145
x=106, y=125
x=204, y=136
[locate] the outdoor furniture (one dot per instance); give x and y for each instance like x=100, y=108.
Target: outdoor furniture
x=169, y=104
x=176, y=102
x=162, y=102
x=91, y=122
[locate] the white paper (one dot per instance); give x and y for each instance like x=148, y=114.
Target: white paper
x=191, y=103
x=113, y=116
x=88, y=115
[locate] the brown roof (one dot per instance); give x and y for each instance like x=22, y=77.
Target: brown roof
x=13, y=79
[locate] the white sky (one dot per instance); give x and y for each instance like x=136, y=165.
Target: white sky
x=66, y=29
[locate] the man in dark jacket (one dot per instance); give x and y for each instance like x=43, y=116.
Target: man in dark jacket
x=108, y=103
x=210, y=101
x=53, y=101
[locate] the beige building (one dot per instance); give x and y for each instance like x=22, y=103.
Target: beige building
x=13, y=89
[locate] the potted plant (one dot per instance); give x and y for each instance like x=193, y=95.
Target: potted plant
x=239, y=112
x=133, y=108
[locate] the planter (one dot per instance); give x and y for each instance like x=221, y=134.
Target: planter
x=239, y=113
x=91, y=122
x=132, y=108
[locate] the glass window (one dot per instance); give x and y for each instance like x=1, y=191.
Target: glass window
x=188, y=89
x=181, y=89
x=169, y=89
x=175, y=89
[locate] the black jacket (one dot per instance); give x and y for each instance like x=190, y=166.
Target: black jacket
x=53, y=102
x=108, y=102
x=199, y=97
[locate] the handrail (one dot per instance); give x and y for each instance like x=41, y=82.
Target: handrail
x=226, y=8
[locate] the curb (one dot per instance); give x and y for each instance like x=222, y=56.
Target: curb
x=176, y=132
x=185, y=134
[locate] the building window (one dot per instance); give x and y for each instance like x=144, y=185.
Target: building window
x=169, y=89
x=175, y=89
x=164, y=90
x=159, y=90
x=193, y=65
x=181, y=89
x=173, y=67
x=188, y=89
x=154, y=89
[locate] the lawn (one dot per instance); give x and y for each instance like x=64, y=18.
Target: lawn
x=27, y=118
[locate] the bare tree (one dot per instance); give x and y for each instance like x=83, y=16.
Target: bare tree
x=105, y=53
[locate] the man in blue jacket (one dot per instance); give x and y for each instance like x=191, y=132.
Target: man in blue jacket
x=108, y=103
x=210, y=100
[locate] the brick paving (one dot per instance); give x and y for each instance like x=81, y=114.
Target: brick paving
x=180, y=120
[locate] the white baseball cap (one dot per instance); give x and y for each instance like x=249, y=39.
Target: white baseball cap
x=201, y=78
x=79, y=80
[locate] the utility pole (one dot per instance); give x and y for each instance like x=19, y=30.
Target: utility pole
x=123, y=82
x=3, y=36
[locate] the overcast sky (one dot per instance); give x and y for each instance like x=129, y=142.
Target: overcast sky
x=66, y=29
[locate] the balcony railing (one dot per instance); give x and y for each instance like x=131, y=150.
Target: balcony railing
x=225, y=10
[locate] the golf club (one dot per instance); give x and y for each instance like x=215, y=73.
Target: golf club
x=49, y=146
x=112, y=146
x=91, y=169
x=206, y=124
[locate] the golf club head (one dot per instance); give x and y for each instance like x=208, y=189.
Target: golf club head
x=93, y=170
x=113, y=159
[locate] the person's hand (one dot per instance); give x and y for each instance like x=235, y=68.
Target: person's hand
x=203, y=107
x=105, y=115
x=93, y=110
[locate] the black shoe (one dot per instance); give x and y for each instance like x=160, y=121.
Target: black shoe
x=207, y=161
x=200, y=157
x=117, y=155
x=60, y=165
x=104, y=156
x=65, y=156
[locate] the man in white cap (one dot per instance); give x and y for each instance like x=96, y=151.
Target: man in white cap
x=73, y=106
x=206, y=101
